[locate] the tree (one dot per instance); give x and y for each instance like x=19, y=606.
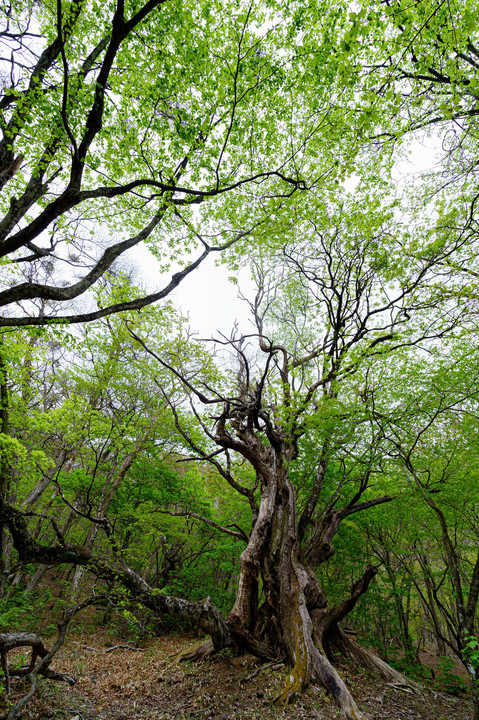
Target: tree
x=95, y=417
x=432, y=434
x=419, y=80
x=348, y=289
x=117, y=127
x=334, y=284
x=331, y=305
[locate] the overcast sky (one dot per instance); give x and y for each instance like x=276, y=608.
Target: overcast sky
x=206, y=295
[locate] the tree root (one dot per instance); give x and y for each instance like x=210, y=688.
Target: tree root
x=375, y=664
x=322, y=671
x=11, y=640
x=273, y=665
x=197, y=652
x=126, y=646
x=330, y=679
x=8, y=641
x=294, y=686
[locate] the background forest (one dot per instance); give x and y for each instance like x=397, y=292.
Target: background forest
x=287, y=485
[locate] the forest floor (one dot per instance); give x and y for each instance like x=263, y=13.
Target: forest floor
x=147, y=684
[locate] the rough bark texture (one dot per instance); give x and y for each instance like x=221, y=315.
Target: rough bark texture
x=290, y=588
x=286, y=582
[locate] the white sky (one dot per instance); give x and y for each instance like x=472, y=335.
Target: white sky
x=206, y=296
x=212, y=301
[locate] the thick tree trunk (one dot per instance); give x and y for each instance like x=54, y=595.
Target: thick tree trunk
x=284, y=622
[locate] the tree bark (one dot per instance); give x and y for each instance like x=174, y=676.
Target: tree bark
x=285, y=621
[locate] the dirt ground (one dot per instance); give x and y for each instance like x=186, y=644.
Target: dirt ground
x=147, y=684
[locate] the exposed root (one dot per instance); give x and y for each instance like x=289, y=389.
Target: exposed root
x=400, y=687
x=296, y=682
x=312, y=664
x=197, y=652
x=376, y=665
x=273, y=665
x=126, y=646
x=11, y=640
x=330, y=679
x=8, y=641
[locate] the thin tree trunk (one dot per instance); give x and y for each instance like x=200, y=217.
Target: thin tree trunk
x=5, y=471
x=406, y=639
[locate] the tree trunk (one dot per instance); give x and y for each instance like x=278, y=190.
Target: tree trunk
x=285, y=623
x=5, y=554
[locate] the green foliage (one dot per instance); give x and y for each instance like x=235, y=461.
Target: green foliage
x=21, y=610
x=471, y=651
x=365, y=289
x=214, y=574
x=410, y=667
x=187, y=103
x=447, y=680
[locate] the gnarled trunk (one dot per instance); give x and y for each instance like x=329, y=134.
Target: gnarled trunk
x=292, y=594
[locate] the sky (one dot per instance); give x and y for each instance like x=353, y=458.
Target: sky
x=206, y=296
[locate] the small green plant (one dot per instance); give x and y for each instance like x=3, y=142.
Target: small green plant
x=20, y=662
x=22, y=609
x=471, y=651
x=18, y=608
x=413, y=669
x=408, y=665
x=447, y=680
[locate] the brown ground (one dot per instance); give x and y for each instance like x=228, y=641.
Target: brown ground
x=126, y=684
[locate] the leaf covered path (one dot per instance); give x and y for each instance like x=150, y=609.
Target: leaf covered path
x=128, y=685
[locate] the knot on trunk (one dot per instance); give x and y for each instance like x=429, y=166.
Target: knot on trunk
x=318, y=552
